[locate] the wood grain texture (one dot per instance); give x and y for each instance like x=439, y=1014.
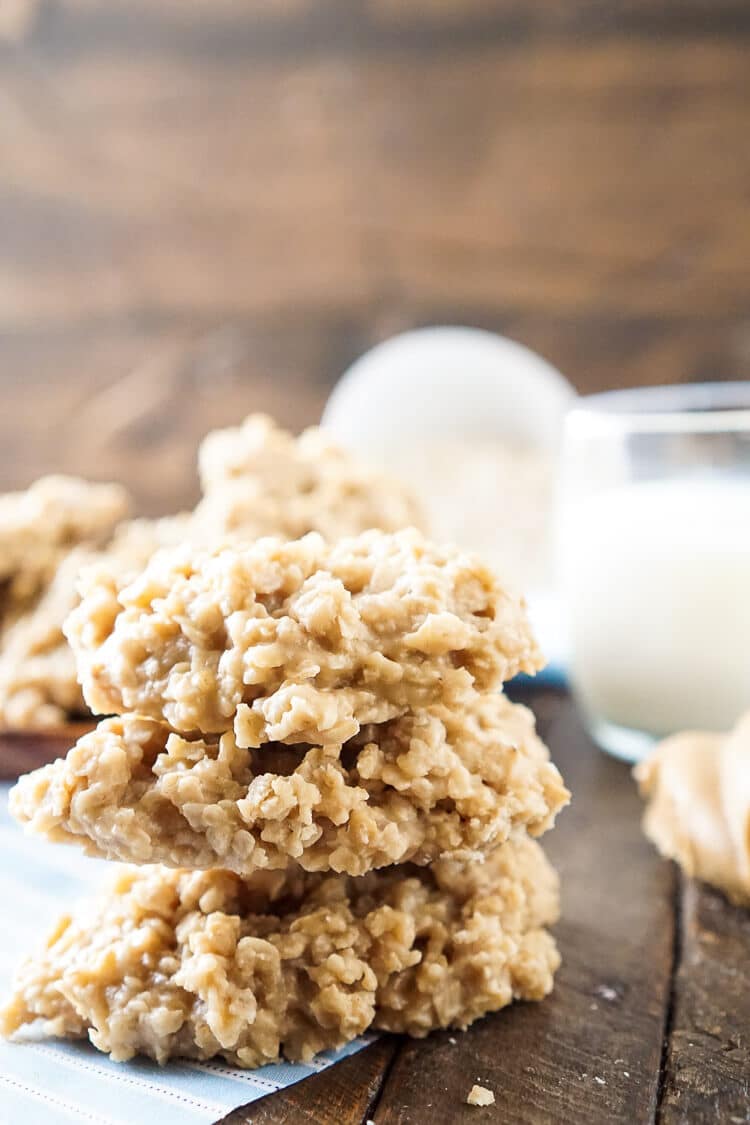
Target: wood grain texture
x=23, y=751
x=350, y=25
x=344, y=1094
x=554, y=177
x=217, y=206
x=133, y=405
x=707, y=1072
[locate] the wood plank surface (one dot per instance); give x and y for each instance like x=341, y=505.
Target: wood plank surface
x=23, y=751
x=707, y=1074
x=344, y=1094
x=591, y=1052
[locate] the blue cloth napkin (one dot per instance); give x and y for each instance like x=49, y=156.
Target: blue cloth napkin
x=50, y=1082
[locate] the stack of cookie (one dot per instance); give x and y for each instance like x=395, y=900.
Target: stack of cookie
x=335, y=802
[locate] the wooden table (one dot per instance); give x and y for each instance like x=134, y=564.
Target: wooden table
x=650, y=1017
x=213, y=207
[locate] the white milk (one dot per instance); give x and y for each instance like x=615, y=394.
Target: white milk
x=657, y=587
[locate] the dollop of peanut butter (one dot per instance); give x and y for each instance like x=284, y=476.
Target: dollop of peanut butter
x=697, y=786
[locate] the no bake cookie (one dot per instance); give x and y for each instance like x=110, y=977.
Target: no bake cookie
x=41, y=524
x=424, y=785
x=296, y=641
x=259, y=480
x=177, y=963
x=39, y=685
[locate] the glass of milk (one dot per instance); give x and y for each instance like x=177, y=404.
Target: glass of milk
x=654, y=542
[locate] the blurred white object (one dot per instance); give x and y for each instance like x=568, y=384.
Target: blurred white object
x=473, y=422
x=446, y=382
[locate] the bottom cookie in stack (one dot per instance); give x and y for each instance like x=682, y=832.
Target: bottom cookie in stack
x=204, y=963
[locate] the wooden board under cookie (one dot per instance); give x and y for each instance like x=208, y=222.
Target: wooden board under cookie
x=21, y=751
x=650, y=1016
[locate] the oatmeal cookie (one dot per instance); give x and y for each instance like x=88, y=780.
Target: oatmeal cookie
x=421, y=786
x=260, y=480
x=38, y=682
x=38, y=679
x=178, y=963
x=296, y=641
x=40, y=525
x=45, y=534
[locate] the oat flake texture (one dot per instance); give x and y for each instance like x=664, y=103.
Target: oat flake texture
x=435, y=783
x=39, y=685
x=259, y=480
x=177, y=963
x=40, y=525
x=296, y=641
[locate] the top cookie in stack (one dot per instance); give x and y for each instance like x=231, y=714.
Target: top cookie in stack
x=299, y=641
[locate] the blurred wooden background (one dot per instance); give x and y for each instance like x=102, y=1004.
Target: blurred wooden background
x=209, y=206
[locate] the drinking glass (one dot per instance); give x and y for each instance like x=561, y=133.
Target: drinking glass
x=654, y=546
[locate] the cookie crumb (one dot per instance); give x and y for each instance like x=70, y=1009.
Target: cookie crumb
x=607, y=992
x=480, y=1095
